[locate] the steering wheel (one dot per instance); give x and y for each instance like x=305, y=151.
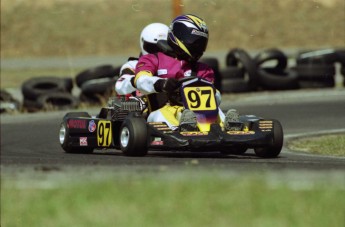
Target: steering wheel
x=184, y=79
x=175, y=96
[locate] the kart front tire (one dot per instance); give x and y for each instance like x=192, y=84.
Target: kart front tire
x=275, y=148
x=133, y=137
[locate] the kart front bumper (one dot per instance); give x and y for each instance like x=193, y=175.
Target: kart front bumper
x=214, y=139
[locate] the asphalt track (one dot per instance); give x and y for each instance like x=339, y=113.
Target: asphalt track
x=32, y=139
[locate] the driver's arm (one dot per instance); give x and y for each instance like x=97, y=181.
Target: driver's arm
x=145, y=70
x=145, y=82
x=123, y=85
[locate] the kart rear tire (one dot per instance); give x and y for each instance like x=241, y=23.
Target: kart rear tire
x=64, y=142
x=274, y=149
x=133, y=137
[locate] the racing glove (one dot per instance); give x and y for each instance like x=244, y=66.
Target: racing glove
x=165, y=85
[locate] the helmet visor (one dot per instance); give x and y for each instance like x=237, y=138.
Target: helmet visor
x=150, y=47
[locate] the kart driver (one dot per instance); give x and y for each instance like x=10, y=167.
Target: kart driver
x=159, y=72
x=149, y=37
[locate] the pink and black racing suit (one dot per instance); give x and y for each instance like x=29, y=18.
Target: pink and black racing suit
x=152, y=67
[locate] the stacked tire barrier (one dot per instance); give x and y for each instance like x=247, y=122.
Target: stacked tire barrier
x=239, y=74
x=97, y=84
x=48, y=92
x=277, y=76
x=55, y=93
x=316, y=69
x=269, y=70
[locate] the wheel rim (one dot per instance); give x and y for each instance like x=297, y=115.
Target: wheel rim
x=124, y=138
x=62, y=134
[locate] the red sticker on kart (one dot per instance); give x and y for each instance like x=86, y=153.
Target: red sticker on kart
x=76, y=123
x=83, y=141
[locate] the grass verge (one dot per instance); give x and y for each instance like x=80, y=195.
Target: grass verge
x=325, y=144
x=199, y=198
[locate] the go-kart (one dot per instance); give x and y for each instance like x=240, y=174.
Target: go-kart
x=123, y=125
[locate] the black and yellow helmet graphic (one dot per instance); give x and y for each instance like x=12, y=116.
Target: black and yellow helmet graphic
x=188, y=36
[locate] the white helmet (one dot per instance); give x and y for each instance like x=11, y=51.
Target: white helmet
x=150, y=36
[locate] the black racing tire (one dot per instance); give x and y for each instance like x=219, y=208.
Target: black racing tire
x=325, y=83
x=239, y=57
x=311, y=72
x=342, y=71
x=315, y=76
x=65, y=144
x=35, y=87
x=276, y=79
x=232, y=72
x=270, y=55
x=68, y=84
x=58, y=100
x=97, y=91
x=92, y=99
x=235, y=86
x=133, y=137
x=214, y=64
x=341, y=56
x=103, y=71
x=317, y=57
x=117, y=70
x=31, y=106
x=98, y=86
x=274, y=149
x=234, y=151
